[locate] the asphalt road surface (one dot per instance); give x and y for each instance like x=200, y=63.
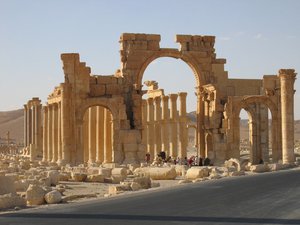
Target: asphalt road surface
x=269, y=198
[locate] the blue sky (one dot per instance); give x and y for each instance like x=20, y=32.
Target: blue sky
x=256, y=37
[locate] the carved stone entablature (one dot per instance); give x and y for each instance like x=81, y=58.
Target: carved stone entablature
x=56, y=93
x=151, y=84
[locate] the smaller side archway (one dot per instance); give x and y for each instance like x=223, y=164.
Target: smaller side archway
x=254, y=104
x=98, y=132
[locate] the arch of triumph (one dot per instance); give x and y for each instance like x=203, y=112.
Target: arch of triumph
x=103, y=119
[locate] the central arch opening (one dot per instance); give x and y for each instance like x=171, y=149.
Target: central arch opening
x=97, y=135
x=169, y=108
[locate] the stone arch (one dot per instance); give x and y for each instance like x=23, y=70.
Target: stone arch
x=113, y=107
x=262, y=100
x=172, y=53
x=247, y=101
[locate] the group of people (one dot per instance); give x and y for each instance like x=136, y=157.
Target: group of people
x=192, y=161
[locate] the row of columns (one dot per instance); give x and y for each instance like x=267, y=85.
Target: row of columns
x=165, y=127
x=52, y=138
x=33, y=127
x=98, y=135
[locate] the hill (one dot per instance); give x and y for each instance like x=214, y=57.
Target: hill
x=12, y=121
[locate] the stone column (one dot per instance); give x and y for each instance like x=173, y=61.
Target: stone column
x=92, y=134
x=59, y=152
x=39, y=129
x=100, y=135
x=33, y=121
x=165, y=124
x=183, y=132
x=29, y=122
x=37, y=124
x=107, y=137
x=200, y=123
x=54, y=133
x=287, y=79
x=144, y=122
x=157, y=125
x=45, y=134
x=66, y=118
x=150, y=128
x=86, y=137
x=173, y=125
x=50, y=117
x=25, y=126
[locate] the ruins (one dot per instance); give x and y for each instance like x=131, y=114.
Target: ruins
x=104, y=119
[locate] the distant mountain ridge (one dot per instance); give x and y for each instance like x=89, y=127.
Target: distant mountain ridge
x=12, y=121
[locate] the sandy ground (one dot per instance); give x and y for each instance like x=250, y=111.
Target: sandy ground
x=78, y=191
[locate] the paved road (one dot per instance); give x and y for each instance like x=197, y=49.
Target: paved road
x=269, y=198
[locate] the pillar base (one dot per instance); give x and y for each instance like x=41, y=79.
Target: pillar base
x=130, y=158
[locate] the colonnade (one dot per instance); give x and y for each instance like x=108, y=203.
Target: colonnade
x=97, y=135
x=33, y=127
x=165, y=126
x=52, y=139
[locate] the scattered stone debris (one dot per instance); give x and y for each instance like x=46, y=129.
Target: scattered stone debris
x=33, y=183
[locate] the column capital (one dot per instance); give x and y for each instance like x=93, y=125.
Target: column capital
x=173, y=97
x=144, y=102
x=164, y=98
x=182, y=95
x=149, y=101
x=35, y=101
x=157, y=100
x=25, y=106
x=287, y=74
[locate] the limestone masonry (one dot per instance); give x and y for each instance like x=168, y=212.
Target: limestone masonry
x=98, y=119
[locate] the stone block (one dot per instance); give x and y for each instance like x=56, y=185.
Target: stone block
x=93, y=170
x=157, y=173
x=119, y=172
x=197, y=172
x=97, y=90
x=21, y=185
x=95, y=178
x=106, y=172
x=11, y=200
x=144, y=182
x=54, y=177
x=153, y=37
x=35, y=195
x=107, y=80
x=116, y=179
x=53, y=197
x=135, y=186
x=233, y=162
x=64, y=176
x=113, y=190
x=180, y=169
x=260, y=168
x=127, y=37
x=113, y=89
x=7, y=185
x=79, y=177
x=183, y=38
